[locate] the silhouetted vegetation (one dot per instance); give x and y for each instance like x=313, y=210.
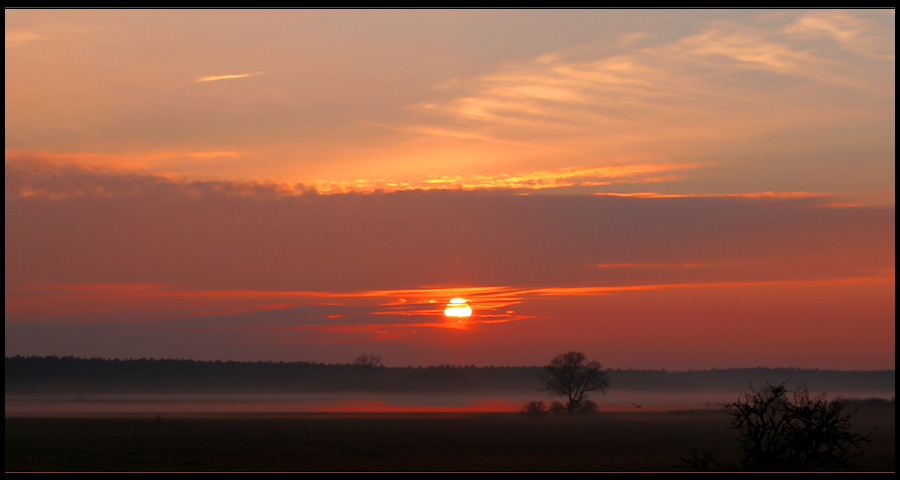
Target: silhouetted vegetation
x=96, y=375
x=52, y=374
x=367, y=360
x=572, y=376
x=613, y=441
x=537, y=407
x=778, y=430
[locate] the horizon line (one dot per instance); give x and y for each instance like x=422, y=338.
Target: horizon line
x=759, y=367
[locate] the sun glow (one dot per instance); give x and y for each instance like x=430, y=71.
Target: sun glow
x=458, y=307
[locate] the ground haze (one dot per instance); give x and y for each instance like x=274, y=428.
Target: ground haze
x=607, y=441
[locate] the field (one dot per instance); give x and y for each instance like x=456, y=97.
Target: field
x=607, y=441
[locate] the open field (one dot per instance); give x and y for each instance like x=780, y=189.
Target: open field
x=608, y=441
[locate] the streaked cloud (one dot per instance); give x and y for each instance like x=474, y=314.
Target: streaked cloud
x=230, y=76
x=227, y=250
x=852, y=31
x=651, y=265
x=616, y=90
x=126, y=162
x=585, y=177
x=16, y=38
x=345, y=316
x=665, y=101
x=607, y=290
x=636, y=94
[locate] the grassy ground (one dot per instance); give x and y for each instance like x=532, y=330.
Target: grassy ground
x=608, y=441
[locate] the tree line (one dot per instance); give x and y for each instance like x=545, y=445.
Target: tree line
x=49, y=374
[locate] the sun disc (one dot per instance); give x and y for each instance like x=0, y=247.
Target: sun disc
x=458, y=307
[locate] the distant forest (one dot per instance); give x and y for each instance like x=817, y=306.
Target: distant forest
x=71, y=375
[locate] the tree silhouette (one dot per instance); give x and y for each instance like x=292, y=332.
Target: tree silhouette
x=367, y=360
x=796, y=432
x=570, y=375
x=534, y=408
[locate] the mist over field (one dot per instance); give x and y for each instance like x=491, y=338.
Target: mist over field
x=96, y=385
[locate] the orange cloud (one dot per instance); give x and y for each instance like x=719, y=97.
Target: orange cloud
x=15, y=38
x=606, y=290
x=827, y=200
x=767, y=194
x=148, y=161
x=853, y=33
x=538, y=180
x=651, y=265
x=39, y=165
x=213, y=78
x=161, y=303
x=167, y=302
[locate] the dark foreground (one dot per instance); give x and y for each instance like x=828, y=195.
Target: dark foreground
x=607, y=441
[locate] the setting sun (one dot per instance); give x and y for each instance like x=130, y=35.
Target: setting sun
x=458, y=307
x=615, y=182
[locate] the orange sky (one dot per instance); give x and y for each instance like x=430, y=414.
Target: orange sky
x=656, y=188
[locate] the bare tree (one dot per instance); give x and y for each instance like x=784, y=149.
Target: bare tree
x=570, y=375
x=782, y=432
x=367, y=360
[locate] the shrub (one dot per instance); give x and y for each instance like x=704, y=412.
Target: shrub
x=534, y=408
x=781, y=432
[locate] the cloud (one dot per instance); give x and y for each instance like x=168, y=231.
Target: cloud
x=230, y=76
x=607, y=290
x=348, y=312
x=328, y=317
x=736, y=92
x=82, y=226
x=650, y=265
x=52, y=164
x=660, y=98
x=855, y=33
x=586, y=178
x=17, y=38
x=160, y=162
x=57, y=176
x=161, y=268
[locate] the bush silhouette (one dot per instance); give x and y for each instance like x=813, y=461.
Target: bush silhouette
x=534, y=408
x=780, y=430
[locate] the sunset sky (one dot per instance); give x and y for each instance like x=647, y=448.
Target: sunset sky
x=680, y=189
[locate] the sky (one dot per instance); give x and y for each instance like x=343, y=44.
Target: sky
x=679, y=189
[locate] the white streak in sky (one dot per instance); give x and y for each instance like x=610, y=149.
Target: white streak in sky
x=212, y=78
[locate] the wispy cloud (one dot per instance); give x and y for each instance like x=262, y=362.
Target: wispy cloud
x=59, y=163
x=371, y=312
x=229, y=76
x=822, y=199
x=537, y=180
x=34, y=173
x=718, y=84
x=17, y=38
x=58, y=175
x=350, y=313
x=854, y=33
x=608, y=290
x=118, y=161
x=651, y=265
